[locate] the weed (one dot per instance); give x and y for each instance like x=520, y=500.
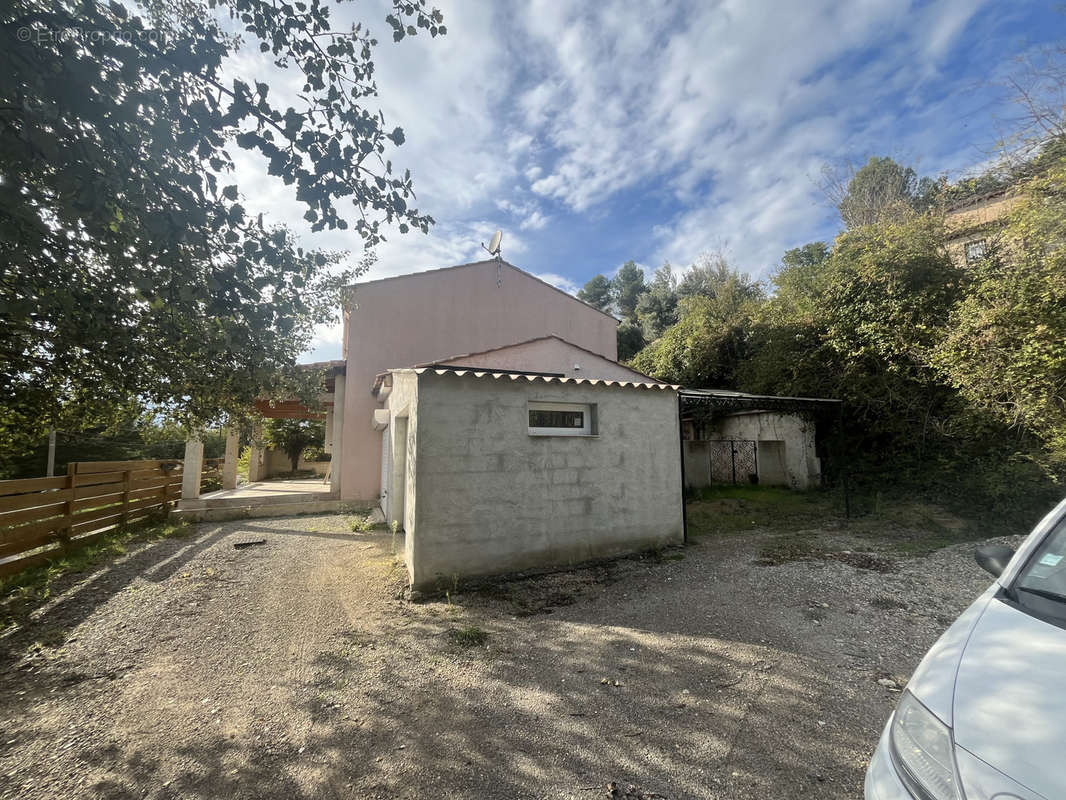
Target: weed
x=361, y=524
x=470, y=636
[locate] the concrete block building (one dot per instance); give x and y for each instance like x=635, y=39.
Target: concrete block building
x=492, y=472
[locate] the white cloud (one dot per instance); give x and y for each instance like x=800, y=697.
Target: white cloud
x=559, y=282
x=697, y=123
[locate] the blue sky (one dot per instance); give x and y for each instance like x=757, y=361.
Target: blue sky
x=594, y=133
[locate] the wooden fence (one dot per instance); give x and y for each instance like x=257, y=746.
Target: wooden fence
x=211, y=476
x=41, y=518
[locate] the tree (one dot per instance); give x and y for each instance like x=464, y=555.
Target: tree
x=709, y=269
x=630, y=340
x=700, y=351
x=880, y=191
x=293, y=436
x=626, y=288
x=129, y=268
x=705, y=346
x=799, y=280
x=597, y=293
x=657, y=306
x=1006, y=343
x=861, y=325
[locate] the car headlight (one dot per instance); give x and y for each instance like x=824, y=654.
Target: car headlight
x=922, y=751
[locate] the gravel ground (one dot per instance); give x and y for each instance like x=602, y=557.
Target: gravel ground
x=294, y=669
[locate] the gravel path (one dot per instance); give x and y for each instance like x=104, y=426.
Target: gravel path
x=293, y=669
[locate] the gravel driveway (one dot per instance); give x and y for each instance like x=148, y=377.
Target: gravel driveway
x=292, y=669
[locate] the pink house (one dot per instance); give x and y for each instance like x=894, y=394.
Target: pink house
x=485, y=314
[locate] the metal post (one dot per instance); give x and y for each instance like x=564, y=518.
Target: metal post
x=843, y=460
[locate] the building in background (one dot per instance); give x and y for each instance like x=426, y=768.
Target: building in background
x=973, y=225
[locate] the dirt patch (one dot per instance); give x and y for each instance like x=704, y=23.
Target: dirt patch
x=870, y=561
x=811, y=546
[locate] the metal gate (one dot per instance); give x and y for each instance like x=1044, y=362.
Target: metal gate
x=733, y=461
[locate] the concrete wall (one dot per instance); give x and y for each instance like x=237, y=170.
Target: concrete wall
x=398, y=501
x=697, y=463
x=550, y=355
x=425, y=317
x=786, y=449
x=489, y=498
x=276, y=462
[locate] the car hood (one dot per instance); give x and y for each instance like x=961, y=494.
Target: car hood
x=1009, y=707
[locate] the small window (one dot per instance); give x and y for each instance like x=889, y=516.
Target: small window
x=561, y=419
x=975, y=250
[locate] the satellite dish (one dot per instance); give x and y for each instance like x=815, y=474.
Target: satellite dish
x=494, y=245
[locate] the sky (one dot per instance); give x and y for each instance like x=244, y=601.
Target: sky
x=592, y=133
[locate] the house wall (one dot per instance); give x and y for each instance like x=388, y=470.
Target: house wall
x=982, y=220
x=551, y=355
x=785, y=450
x=489, y=498
x=416, y=319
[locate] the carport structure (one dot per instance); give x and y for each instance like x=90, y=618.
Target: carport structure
x=735, y=437
x=257, y=491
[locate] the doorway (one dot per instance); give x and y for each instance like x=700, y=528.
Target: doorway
x=397, y=497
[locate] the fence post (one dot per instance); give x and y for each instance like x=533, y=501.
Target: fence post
x=127, y=481
x=193, y=467
x=66, y=531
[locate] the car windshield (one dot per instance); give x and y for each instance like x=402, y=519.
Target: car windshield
x=1041, y=584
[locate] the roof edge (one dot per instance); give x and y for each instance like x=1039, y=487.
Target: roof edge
x=532, y=377
x=556, y=336
x=357, y=284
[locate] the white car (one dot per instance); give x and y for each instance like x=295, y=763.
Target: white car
x=984, y=715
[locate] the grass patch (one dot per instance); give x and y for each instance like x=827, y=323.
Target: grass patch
x=25, y=591
x=470, y=636
x=904, y=523
x=736, y=509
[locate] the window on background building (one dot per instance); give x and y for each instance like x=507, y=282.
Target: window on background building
x=561, y=419
x=975, y=250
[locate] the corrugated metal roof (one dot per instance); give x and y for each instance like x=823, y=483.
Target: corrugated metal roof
x=695, y=394
x=532, y=377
